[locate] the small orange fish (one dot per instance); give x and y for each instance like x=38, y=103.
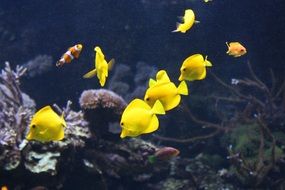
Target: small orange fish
x=70, y=54
x=235, y=49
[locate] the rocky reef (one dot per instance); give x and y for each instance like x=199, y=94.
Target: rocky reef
x=87, y=158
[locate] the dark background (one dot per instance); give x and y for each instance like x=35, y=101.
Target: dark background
x=137, y=30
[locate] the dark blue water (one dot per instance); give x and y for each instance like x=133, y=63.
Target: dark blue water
x=132, y=31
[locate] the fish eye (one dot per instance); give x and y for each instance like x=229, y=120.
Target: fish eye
x=122, y=123
x=33, y=126
x=147, y=99
x=184, y=69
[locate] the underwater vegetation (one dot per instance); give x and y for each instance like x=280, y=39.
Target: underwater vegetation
x=251, y=117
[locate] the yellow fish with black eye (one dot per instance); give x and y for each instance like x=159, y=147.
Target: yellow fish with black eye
x=165, y=91
x=46, y=126
x=101, y=67
x=194, y=68
x=139, y=118
x=188, y=20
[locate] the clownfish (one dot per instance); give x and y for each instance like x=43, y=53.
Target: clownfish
x=70, y=54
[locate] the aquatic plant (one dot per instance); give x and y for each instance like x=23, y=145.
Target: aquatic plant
x=256, y=117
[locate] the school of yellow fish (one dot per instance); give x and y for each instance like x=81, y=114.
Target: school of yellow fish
x=140, y=116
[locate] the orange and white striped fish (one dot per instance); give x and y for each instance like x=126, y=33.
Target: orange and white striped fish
x=70, y=54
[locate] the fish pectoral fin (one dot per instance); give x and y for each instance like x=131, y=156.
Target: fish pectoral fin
x=111, y=64
x=43, y=132
x=90, y=74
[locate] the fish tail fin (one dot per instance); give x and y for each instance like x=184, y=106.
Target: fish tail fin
x=158, y=108
x=151, y=159
x=207, y=62
x=196, y=21
x=177, y=26
x=59, y=63
x=111, y=64
x=90, y=74
x=182, y=88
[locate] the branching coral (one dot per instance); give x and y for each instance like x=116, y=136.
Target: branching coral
x=257, y=108
x=16, y=109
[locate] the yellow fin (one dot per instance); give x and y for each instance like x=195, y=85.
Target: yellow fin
x=153, y=126
x=90, y=74
x=111, y=64
x=173, y=102
x=162, y=76
x=138, y=103
x=182, y=88
x=207, y=62
x=158, y=108
x=151, y=82
x=60, y=135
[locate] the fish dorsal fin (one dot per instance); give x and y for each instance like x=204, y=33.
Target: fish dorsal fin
x=192, y=58
x=90, y=74
x=111, y=64
x=42, y=111
x=162, y=76
x=207, y=62
x=138, y=103
x=182, y=88
x=158, y=108
x=227, y=44
x=151, y=82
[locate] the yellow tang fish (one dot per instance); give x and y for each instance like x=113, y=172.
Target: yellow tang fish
x=194, y=68
x=101, y=67
x=139, y=118
x=46, y=125
x=165, y=91
x=235, y=49
x=188, y=21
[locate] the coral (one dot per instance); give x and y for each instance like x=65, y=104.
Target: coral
x=38, y=65
x=41, y=162
x=249, y=113
x=16, y=109
x=101, y=107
